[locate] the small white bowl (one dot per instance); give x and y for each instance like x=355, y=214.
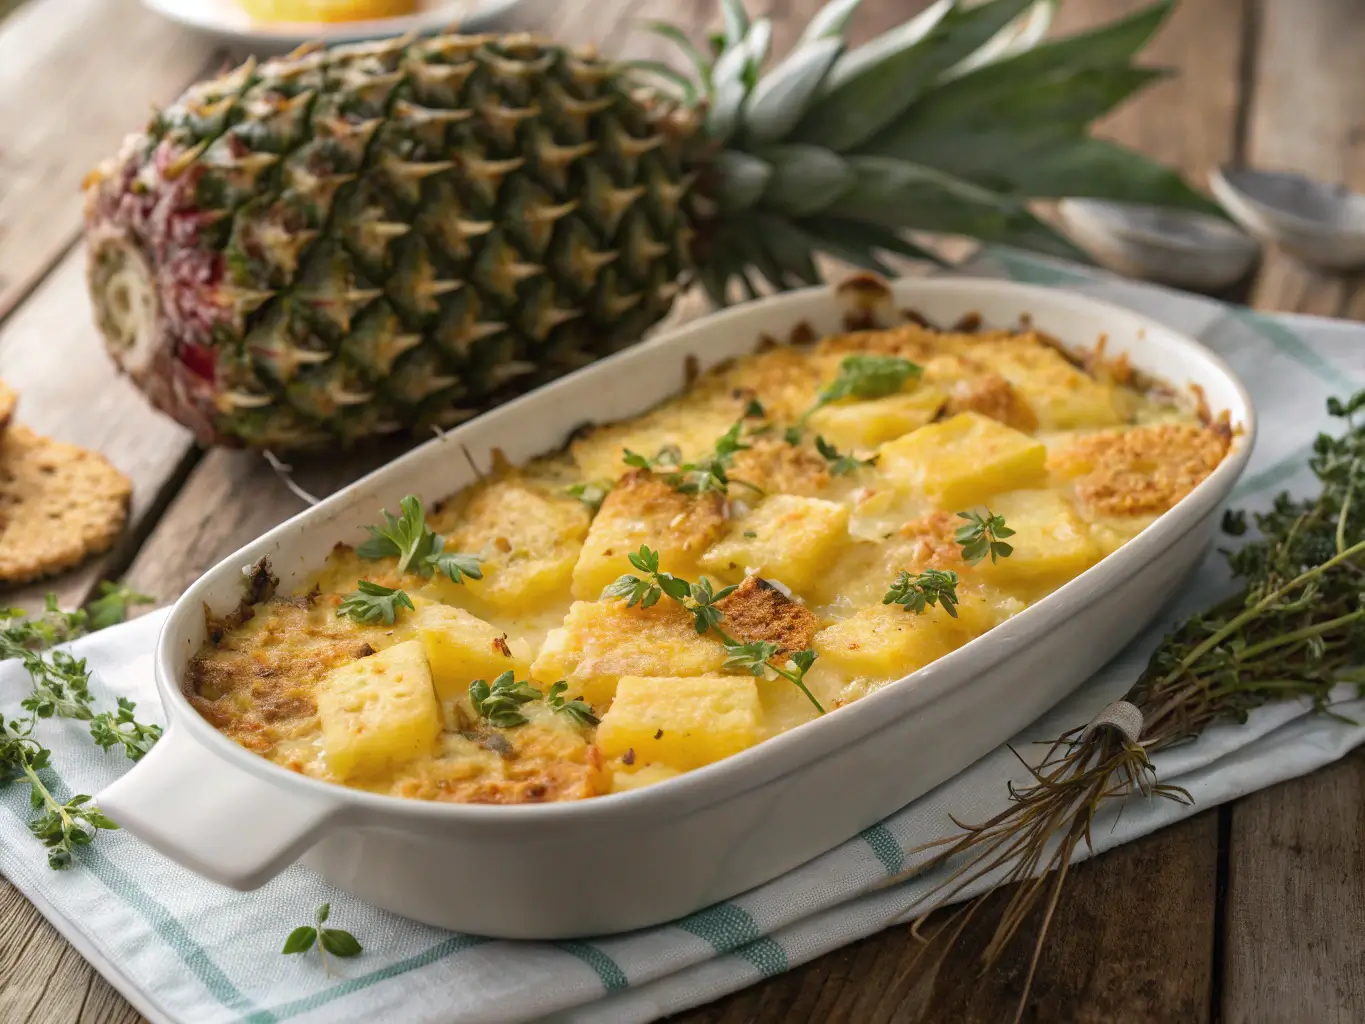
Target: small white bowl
x=1175, y=247
x=1321, y=224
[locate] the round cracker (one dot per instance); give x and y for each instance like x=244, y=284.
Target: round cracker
x=59, y=504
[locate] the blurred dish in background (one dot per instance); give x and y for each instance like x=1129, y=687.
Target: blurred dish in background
x=272, y=26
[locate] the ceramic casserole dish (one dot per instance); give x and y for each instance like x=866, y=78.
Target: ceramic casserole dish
x=655, y=854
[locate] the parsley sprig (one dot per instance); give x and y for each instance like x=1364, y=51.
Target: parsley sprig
x=983, y=536
x=700, y=601
x=370, y=603
x=920, y=591
x=841, y=465
x=859, y=376
x=708, y=474
x=577, y=709
x=328, y=940
x=500, y=703
x=417, y=547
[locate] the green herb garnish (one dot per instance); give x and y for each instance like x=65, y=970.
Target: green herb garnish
x=499, y=704
x=61, y=688
x=700, y=601
x=859, y=376
x=371, y=603
x=577, y=709
x=708, y=474
x=111, y=607
x=983, y=536
x=590, y=494
x=930, y=587
x=841, y=465
x=328, y=940
x=754, y=410
x=418, y=549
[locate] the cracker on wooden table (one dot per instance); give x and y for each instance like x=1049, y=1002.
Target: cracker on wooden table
x=59, y=504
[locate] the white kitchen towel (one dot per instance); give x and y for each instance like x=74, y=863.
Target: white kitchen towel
x=184, y=950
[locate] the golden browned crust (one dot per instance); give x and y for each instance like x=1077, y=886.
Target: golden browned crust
x=775, y=467
x=534, y=764
x=59, y=504
x=693, y=522
x=1141, y=470
x=759, y=611
x=991, y=395
x=930, y=541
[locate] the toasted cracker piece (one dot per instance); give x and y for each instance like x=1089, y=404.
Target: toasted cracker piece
x=759, y=611
x=58, y=505
x=9, y=399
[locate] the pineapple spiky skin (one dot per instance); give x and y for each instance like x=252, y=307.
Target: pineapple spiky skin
x=349, y=242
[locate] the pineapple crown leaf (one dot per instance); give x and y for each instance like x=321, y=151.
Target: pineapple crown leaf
x=870, y=87
x=829, y=20
x=945, y=124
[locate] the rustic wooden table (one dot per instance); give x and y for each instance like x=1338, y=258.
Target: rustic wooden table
x=1249, y=912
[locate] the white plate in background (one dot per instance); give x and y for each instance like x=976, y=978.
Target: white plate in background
x=226, y=20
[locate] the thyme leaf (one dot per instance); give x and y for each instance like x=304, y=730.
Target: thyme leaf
x=920, y=591
x=370, y=603
x=841, y=465
x=983, y=537
x=577, y=709
x=499, y=704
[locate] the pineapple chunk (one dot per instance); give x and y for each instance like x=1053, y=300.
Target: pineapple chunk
x=964, y=460
x=461, y=648
x=528, y=541
x=378, y=713
x=888, y=641
x=683, y=723
x=603, y=640
x=866, y=424
x=1050, y=540
x=1060, y=395
x=643, y=509
x=785, y=538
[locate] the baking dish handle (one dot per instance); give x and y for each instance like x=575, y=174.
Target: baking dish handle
x=216, y=819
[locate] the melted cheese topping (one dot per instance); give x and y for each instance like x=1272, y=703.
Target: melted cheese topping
x=1077, y=460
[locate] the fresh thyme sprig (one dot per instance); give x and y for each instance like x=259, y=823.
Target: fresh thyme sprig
x=328, y=940
x=708, y=474
x=499, y=704
x=61, y=688
x=111, y=607
x=63, y=825
x=1295, y=630
x=859, y=376
x=417, y=547
x=930, y=587
x=841, y=465
x=577, y=709
x=700, y=601
x=370, y=603
x=983, y=537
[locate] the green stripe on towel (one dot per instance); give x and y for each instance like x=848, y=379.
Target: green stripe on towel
x=444, y=948
x=886, y=848
x=730, y=929
x=171, y=931
x=613, y=978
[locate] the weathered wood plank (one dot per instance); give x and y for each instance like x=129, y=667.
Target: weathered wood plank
x=1168, y=878
x=1296, y=901
x=75, y=76
x=1305, y=118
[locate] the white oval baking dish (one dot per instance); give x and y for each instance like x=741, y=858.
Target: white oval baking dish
x=656, y=854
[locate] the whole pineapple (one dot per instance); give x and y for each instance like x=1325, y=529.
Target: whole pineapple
x=349, y=242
